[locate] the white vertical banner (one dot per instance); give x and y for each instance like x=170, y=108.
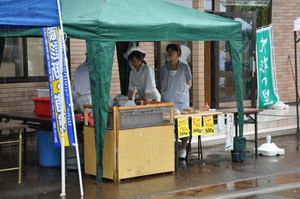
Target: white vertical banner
x=229, y=131
x=221, y=124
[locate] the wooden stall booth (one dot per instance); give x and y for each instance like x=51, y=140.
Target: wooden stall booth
x=139, y=141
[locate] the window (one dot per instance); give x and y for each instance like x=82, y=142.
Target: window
x=22, y=60
x=263, y=9
x=208, y=5
x=184, y=3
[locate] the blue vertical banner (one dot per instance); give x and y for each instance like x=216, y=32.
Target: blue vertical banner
x=58, y=80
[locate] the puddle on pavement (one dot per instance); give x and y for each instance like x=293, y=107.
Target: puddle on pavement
x=287, y=194
x=233, y=186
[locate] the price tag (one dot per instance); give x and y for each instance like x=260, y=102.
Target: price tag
x=229, y=132
x=221, y=124
x=196, y=126
x=209, y=128
x=183, y=127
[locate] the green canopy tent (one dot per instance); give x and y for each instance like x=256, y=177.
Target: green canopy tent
x=104, y=22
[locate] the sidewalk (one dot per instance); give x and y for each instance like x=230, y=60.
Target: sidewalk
x=216, y=170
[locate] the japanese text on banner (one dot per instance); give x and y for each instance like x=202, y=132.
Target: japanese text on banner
x=183, y=127
x=229, y=131
x=221, y=124
x=208, y=122
x=58, y=85
x=196, y=126
x=266, y=91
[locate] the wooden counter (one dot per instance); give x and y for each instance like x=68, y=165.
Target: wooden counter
x=132, y=152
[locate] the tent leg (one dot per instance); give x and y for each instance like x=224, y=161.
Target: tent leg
x=79, y=167
x=63, y=169
x=296, y=79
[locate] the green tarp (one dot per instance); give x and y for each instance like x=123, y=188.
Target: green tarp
x=104, y=22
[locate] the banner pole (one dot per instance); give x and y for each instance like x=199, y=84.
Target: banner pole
x=58, y=114
x=62, y=141
x=296, y=86
x=71, y=99
x=63, y=169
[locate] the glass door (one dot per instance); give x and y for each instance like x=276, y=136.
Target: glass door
x=223, y=89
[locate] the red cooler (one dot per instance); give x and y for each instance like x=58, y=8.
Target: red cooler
x=42, y=106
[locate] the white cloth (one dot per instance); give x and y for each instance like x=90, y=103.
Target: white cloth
x=144, y=82
x=131, y=49
x=222, y=60
x=82, y=89
x=297, y=25
x=185, y=53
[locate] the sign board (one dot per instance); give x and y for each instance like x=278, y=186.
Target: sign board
x=197, y=126
x=208, y=122
x=183, y=127
x=229, y=131
x=266, y=92
x=60, y=95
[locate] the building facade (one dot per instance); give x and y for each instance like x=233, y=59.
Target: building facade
x=20, y=79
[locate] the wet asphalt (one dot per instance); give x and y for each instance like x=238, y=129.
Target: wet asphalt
x=215, y=177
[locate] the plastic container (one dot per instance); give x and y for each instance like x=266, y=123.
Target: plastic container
x=43, y=92
x=42, y=106
x=49, y=156
x=206, y=106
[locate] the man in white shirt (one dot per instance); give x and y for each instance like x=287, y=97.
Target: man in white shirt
x=81, y=87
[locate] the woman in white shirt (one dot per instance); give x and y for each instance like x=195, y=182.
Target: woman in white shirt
x=176, y=80
x=141, y=77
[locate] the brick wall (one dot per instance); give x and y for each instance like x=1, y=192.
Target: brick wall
x=283, y=15
x=198, y=66
x=148, y=47
x=18, y=96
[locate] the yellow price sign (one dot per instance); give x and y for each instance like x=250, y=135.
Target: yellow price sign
x=196, y=126
x=209, y=128
x=183, y=127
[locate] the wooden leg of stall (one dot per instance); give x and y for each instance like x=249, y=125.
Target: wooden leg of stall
x=116, y=143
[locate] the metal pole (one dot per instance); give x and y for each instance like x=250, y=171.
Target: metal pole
x=20, y=156
x=62, y=140
x=296, y=79
x=176, y=146
x=72, y=109
x=255, y=133
x=63, y=167
x=74, y=128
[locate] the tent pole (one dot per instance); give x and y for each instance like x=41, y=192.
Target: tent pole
x=62, y=142
x=63, y=167
x=73, y=118
x=296, y=79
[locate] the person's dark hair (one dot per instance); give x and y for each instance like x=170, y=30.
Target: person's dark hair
x=138, y=55
x=174, y=48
